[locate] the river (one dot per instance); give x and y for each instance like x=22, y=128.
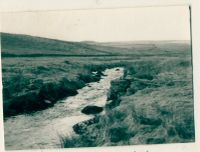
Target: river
x=42, y=129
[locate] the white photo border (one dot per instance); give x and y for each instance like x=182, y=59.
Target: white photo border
x=44, y=5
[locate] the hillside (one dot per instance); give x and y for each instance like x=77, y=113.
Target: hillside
x=24, y=45
x=148, y=48
x=31, y=46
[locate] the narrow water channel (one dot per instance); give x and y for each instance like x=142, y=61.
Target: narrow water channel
x=43, y=128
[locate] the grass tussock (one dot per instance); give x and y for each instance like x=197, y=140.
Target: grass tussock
x=77, y=141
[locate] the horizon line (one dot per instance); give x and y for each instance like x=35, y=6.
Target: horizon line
x=88, y=41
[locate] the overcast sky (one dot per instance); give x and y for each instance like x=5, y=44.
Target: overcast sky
x=128, y=24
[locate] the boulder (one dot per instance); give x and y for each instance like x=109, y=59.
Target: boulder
x=81, y=128
x=91, y=110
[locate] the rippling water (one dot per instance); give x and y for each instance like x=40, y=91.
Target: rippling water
x=42, y=129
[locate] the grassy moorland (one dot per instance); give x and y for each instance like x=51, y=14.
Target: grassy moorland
x=152, y=102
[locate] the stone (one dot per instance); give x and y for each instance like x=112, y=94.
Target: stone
x=81, y=128
x=92, y=110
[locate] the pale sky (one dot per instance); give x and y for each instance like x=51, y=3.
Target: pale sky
x=127, y=24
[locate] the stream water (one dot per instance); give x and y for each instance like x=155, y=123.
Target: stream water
x=42, y=129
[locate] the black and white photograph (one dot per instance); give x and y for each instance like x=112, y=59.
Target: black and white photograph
x=97, y=77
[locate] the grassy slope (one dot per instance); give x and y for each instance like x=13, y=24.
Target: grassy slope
x=25, y=45
x=160, y=101
x=29, y=46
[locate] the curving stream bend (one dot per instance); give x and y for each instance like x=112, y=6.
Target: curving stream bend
x=42, y=129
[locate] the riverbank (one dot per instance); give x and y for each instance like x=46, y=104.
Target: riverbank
x=41, y=82
x=46, y=126
x=152, y=104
